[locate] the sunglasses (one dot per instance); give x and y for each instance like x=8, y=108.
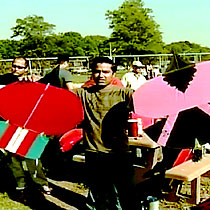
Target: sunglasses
x=19, y=67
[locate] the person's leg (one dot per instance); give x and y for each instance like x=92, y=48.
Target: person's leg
x=18, y=171
x=104, y=180
x=7, y=180
x=37, y=174
x=104, y=196
x=123, y=178
x=16, y=165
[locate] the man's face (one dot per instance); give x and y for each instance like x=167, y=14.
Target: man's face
x=103, y=74
x=137, y=69
x=19, y=67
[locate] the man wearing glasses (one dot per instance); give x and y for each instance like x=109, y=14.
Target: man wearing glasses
x=19, y=69
x=19, y=72
x=19, y=165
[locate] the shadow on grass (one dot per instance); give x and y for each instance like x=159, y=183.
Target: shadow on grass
x=37, y=201
x=69, y=197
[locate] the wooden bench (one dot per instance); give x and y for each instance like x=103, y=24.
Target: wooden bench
x=191, y=172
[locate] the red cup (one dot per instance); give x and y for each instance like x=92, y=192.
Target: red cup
x=133, y=127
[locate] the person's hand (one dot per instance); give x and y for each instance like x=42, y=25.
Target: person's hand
x=29, y=78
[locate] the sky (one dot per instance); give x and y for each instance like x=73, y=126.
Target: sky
x=179, y=20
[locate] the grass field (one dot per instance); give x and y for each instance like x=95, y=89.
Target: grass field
x=7, y=204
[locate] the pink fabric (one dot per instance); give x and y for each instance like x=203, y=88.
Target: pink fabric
x=167, y=130
x=205, y=108
x=156, y=99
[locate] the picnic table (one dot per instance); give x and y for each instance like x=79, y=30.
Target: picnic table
x=146, y=151
x=143, y=141
x=147, y=154
x=191, y=172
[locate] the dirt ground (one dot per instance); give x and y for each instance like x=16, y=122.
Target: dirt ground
x=78, y=193
x=71, y=195
x=70, y=192
x=81, y=190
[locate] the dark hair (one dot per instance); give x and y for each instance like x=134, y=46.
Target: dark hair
x=97, y=60
x=62, y=58
x=21, y=58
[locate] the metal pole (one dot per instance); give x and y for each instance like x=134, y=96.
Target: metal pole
x=110, y=49
x=29, y=65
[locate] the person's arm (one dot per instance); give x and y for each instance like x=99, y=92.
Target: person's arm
x=124, y=81
x=71, y=85
x=66, y=77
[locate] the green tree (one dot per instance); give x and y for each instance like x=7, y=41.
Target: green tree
x=185, y=47
x=95, y=45
x=70, y=43
x=51, y=46
x=8, y=48
x=32, y=30
x=32, y=26
x=134, y=30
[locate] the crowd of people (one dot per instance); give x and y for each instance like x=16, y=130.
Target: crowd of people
x=107, y=102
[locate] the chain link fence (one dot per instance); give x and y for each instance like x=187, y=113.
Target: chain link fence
x=41, y=66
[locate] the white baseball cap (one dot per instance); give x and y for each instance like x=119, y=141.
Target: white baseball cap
x=138, y=63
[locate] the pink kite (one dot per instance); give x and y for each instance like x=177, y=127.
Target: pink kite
x=157, y=98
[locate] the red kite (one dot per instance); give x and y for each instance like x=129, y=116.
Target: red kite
x=39, y=109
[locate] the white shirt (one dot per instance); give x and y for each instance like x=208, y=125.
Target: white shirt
x=133, y=80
